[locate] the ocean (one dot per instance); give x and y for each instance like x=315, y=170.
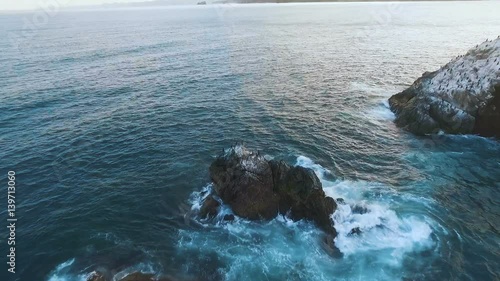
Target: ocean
x=111, y=118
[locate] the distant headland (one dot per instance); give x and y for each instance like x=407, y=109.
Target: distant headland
x=156, y=3
x=312, y=1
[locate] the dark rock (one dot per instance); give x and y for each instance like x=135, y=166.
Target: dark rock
x=209, y=207
x=488, y=117
x=422, y=114
x=96, y=276
x=341, y=201
x=328, y=244
x=358, y=209
x=355, y=231
x=139, y=276
x=244, y=181
x=259, y=189
x=302, y=194
x=279, y=172
x=229, y=217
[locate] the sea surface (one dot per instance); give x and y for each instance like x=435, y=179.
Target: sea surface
x=111, y=118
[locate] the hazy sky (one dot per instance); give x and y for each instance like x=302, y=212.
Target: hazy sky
x=34, y=4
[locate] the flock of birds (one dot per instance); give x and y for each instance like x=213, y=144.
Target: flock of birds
x=467, y=73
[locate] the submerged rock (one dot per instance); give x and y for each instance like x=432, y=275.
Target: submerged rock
x=463, y=97
x=135, y=276
x=96, y=276
x=209, y=208
x=328, y=244
x=259, y=189
x=355, y=231
x=139, y=276
x=358, y=209
x=229, y=217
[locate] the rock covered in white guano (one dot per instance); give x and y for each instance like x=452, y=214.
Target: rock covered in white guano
x=462, y=97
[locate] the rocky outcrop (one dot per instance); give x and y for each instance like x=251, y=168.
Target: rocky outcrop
x=209, y=207
x=328, y=245
x=301, y=195
x=244, y=181
x=463, y=97
x=256, y=188
x=488, y=116
x=96, y=276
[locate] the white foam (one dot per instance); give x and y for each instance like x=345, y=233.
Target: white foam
x=381, y=227
x=284, y=249
x=141, y=267
x=319, y=170
x=62, y=273
x=380, y=113
x=196, y=199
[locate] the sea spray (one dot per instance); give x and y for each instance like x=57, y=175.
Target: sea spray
x=249, y=250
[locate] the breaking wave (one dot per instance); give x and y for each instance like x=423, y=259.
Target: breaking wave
x=285, y=250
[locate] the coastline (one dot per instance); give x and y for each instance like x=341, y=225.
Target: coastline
x=160, y=4
x=338, y=1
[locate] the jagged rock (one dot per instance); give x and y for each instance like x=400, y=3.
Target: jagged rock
x=229, y=217
x=209, y=207
x=488, y=117
x=259, y=189
x=135, y=276
x=358, y=209
x=462, y=97
x=244, y=181
x=139, y=276
x=328, y=244
x=355, y=231
x=302, y=194
x=96, y=276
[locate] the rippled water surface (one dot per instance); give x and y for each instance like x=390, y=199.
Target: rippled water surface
x=111, y=118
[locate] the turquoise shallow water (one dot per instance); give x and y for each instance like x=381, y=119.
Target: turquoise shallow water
x=111, y=118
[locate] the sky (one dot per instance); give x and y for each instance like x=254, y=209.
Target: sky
x=36, y=4
x=8, y=5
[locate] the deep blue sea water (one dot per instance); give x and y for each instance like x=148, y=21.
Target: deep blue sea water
x=111, y=118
